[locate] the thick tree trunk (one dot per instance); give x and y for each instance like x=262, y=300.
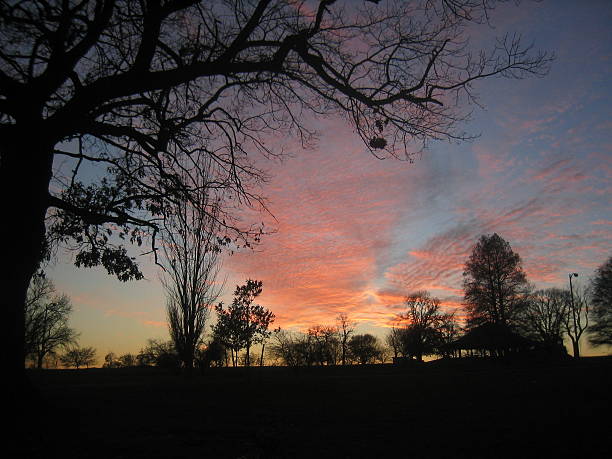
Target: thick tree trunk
x=261, y=358
x=576, y=348
x=25, y=172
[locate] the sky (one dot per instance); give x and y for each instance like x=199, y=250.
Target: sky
x=356, y=234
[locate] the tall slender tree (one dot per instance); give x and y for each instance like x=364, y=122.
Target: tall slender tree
x=191, y=249
x=345, y=327
x=577, y=317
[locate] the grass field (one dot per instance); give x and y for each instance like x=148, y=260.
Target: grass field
x=440, y=409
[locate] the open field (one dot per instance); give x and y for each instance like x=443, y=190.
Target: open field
x=454, y=409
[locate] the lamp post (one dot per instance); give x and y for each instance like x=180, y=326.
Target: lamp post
x=574, y=318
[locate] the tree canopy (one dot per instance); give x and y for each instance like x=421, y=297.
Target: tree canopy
x=495, y=285
x=364, y=348
x=243, y=323
x=425, y=322
x=78, y=357
x=545, y=316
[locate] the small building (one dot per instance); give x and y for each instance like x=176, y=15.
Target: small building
x=494, y=340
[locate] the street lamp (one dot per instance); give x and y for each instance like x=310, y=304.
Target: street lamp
x=570, y=275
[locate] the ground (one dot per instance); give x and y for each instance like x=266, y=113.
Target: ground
x=439, y=409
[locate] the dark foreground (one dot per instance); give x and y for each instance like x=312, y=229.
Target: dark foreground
x=455, y=409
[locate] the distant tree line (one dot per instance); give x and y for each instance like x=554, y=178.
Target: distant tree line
x=239, y=326
x=499, y=298
x=326, y=345
x=502, y=312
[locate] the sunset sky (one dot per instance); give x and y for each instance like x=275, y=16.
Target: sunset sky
x=355, y=234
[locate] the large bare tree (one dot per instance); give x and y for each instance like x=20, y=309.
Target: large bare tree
x=326, y=343
x=394, y=340
x=577, y=317
x=130, y=95
x=425, y=325
x=46, y=320
x=345, y=327
x=78, y=357
x=545, y=316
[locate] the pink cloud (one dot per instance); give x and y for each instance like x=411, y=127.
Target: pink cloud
x=156, y=324
x=335, y=216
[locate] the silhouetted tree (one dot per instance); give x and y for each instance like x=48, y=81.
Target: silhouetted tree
x=427, y=326
x=191, y=264
x=146, y=89
x=257, y=318
x=495, y=285
x=394, y=341
x=158, y=353
x=283, y=348
x=600, y=332
x=213, y=353
x=78, y=357
x=292, y=349
x=229, y=329
x=447, y=332
x=545, y=317
x=364, y=348
x=127, y=360
x=325, y=344
x=383, y=353
x=577, y=318
x=246, y=359
x=345, y=327
x=46, y=320
x=243, y=323
x=110, y=361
